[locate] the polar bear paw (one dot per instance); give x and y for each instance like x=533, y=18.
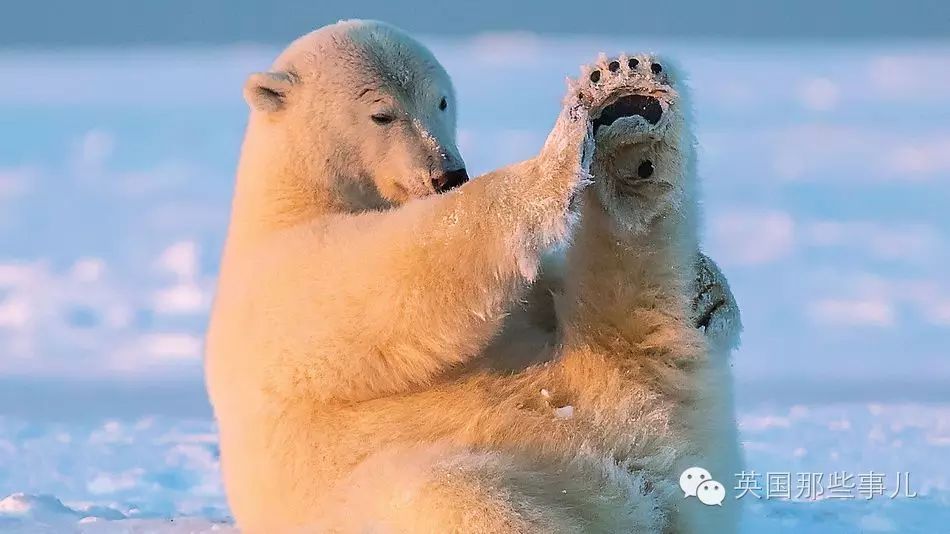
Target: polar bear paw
x=714, y=308
x=640, y=158
x=638, y=99
x=605, y=93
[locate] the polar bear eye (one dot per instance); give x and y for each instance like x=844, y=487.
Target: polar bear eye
x=382, y=118
x=443, y=104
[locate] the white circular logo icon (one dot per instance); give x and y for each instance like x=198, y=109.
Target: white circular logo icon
x=692, y=478
x=711, y=493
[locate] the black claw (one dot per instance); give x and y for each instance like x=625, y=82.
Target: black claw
x=656, y=68
x=633, y=63
x=614, y=66
x=595, y=76
x=645, y=170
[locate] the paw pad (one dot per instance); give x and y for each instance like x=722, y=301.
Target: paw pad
x=647, y=107
x=610, y=91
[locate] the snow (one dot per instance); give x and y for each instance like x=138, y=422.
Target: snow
x=138, y=475
x=161, y=474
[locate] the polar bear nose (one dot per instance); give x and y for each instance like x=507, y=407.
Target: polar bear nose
x=449, y=180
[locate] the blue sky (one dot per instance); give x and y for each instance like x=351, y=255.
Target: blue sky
x=825, y=168
x=58, y=23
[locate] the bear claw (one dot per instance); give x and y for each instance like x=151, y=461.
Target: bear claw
x=613, y=92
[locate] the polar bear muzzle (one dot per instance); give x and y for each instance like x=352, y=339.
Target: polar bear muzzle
x=449, y=180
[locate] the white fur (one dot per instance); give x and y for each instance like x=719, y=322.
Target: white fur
x=377, y=353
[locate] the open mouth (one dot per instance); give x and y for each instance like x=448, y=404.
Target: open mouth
x=645, y=106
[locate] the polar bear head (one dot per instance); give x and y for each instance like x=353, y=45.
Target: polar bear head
x=362, y=111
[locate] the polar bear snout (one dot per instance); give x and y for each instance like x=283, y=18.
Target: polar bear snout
x=449, y=180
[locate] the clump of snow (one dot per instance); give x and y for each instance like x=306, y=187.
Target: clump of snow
x=38, y=507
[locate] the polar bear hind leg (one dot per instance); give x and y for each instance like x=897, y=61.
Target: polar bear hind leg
x=444, y=489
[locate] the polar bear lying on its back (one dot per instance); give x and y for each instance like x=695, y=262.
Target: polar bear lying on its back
x=369, y=360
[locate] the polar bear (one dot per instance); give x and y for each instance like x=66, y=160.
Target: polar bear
x=388, y=354
x=632, y=270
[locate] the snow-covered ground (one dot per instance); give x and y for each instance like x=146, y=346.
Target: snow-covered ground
x=826, y=175
x=133, y=475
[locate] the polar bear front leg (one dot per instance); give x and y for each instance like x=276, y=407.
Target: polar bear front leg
x=393, y=299
x=629, y=273
x=633, y=358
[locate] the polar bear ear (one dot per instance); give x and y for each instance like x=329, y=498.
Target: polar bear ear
x=267, y=91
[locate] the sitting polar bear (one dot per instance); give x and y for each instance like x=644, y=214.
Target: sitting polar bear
x=382, y=358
